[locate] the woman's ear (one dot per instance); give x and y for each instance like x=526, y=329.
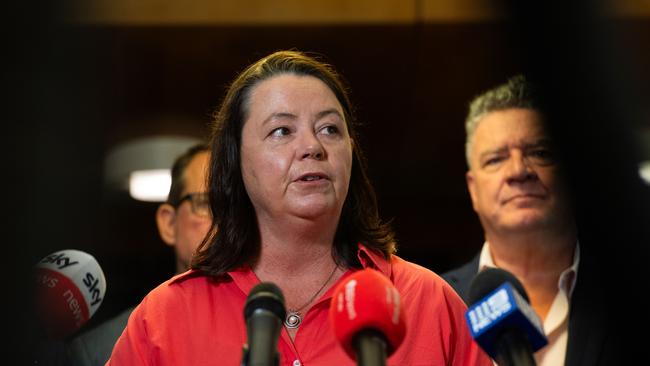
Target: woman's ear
x=165, y=219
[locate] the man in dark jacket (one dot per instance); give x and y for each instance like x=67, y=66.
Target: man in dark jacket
x=517, y=190
x=182, y=223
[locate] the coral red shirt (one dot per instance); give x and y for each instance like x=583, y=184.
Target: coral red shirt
x=194, y=320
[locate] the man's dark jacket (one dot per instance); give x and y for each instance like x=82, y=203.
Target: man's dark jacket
x=593, y=340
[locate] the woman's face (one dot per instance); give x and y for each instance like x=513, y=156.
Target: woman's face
x=296, y=152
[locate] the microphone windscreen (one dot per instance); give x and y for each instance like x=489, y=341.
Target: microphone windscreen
x=367, y=300
x=498, y=306
x=489, y=279
x=267, y=296
x=70, y=287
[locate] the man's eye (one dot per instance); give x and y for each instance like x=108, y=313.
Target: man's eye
x=542, y=155
x=492, y=161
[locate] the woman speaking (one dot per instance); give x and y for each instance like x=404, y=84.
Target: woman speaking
x=292, y=205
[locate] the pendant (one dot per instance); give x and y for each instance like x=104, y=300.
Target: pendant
x=292, y=320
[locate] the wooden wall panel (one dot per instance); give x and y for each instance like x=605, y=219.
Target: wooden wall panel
x=297, y=12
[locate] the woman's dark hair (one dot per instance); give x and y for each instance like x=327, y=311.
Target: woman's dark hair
x=234, y=237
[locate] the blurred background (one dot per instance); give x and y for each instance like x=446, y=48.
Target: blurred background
x=89, y=78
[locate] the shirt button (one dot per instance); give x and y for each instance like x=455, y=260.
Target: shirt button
x=296, y=362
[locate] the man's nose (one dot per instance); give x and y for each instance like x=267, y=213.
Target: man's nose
x=520, y=168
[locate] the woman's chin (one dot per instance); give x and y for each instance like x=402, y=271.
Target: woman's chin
x=314, y=210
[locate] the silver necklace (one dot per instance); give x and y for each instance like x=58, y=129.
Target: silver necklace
x=294, y=316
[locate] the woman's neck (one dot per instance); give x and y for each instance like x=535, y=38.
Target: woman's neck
x=294, y=245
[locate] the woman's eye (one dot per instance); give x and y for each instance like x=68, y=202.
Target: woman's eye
x=280, y=131
x=330, y=130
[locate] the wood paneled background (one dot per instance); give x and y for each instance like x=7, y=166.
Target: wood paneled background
x=127, y=69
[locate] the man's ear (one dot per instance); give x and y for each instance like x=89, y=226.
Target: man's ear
x=165, y=219
x=471, y=187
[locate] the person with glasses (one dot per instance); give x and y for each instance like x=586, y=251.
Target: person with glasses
x=183, y=222
x=185, y=218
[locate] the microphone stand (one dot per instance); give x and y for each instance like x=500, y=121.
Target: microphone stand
x=371, y=348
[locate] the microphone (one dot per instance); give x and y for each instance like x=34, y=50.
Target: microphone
x=501, y=320
x=263, y=312
x=70, y=287
x=366, y=316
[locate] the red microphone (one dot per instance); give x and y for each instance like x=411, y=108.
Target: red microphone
x=70, y=287
x=366, y=317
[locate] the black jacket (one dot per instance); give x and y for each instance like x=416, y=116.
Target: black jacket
x=593, y=339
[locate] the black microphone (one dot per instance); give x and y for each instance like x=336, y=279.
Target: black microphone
x=264, y=312
x=501, y=320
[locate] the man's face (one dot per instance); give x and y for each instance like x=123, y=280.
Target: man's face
x=181, y=227
x=513, y=180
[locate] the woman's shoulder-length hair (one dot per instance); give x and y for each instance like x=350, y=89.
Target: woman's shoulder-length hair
x=233, y=238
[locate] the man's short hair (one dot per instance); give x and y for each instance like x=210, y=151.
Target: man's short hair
x=517, y=92
x=178, y=172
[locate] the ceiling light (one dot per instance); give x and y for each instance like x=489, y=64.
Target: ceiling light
x=142, y=166
x=150, y=185
x=644, y=171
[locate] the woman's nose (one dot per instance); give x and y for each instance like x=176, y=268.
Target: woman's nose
x=312, y=148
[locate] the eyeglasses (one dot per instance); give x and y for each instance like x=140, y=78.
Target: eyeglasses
x=199, y=203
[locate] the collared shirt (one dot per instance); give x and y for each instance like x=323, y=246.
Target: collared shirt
x=556, y=324
x=194, y=320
